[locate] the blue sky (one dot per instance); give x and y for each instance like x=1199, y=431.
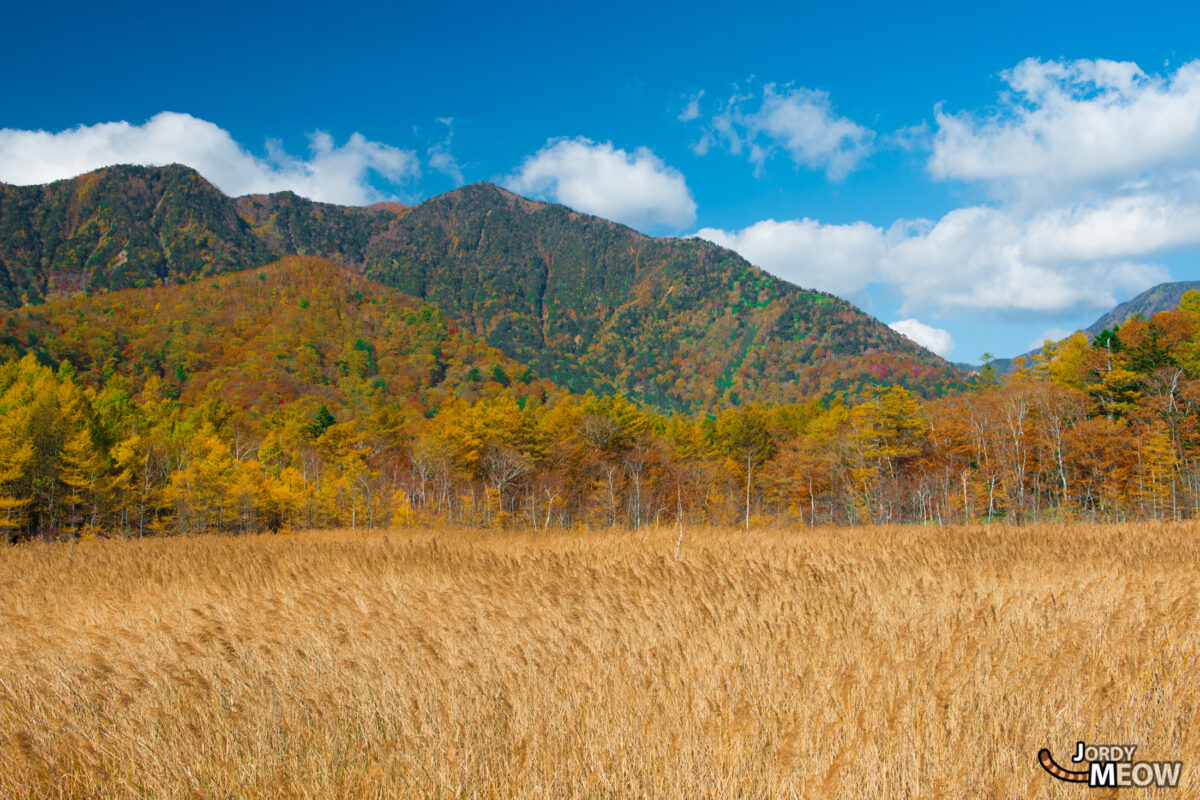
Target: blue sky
x=981, y=176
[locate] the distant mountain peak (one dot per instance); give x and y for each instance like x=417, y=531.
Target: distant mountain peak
x=1162, y=297
x=487, y=192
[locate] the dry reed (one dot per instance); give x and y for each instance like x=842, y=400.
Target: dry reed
x=847, y=663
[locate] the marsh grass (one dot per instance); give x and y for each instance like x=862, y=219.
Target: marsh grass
x=836, y=663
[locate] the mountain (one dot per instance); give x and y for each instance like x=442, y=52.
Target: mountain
x=588, y=303
x=127, y=226
x=302, y=329
x=1163, y=297
x=593, y=304
x=287, y=223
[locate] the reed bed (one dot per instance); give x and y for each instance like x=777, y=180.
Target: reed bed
x=836, y=663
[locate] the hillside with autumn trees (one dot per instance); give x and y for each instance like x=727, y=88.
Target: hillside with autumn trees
x=680, y=324
x=482, y=359
x=304, y=395
x=128, y=226
x=677, y=323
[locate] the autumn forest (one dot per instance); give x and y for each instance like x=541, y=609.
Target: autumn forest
x=301, y=395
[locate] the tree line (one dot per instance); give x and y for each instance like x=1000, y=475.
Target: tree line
x=1097, y=430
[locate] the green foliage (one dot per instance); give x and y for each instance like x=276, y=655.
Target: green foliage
x=1107, y=340
x=321, y=423
x=987, y=377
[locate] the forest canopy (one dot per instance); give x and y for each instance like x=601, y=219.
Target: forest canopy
x=302, y=395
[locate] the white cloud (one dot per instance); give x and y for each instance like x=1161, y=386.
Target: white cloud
x=913, y=138
x=692, y=110
x=1096, y=167
x=841, y=259
x=332, y=173
x=929, y=337
x=1117, y=227
x=634, y=188
x=1071, y=124
x=984, y=259
x=799, y=121
x=973, y=260
x=440, y=157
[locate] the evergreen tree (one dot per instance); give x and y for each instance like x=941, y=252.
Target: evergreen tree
x=322, y=423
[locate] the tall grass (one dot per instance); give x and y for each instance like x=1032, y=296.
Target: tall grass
x=851, y=663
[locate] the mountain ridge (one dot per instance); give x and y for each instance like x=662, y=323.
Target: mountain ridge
x=587, y=302
x=1161, y=297
x=595, y=304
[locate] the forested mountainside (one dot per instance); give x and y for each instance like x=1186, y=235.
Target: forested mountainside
x=289, y=224
x=590, y=304
x=129, y=226
x=232, y=399
x=679, y=323
x=302, y=331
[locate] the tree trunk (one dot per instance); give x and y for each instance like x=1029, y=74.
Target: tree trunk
x=749, y=462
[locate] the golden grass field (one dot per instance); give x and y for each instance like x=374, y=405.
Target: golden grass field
x=835, y=663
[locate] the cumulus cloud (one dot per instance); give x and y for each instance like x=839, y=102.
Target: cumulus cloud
x=332, y=173
x=973, y=260
x=931, y=338
x=635, y=188
x=1067, y=125
x=841, y=259
x=1094, y=168
x=1116, y=227
x=800, y=122
x=982, y=259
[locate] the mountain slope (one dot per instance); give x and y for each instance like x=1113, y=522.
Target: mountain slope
x=1162, y=297
x=287, y=224
x=300, y=329
x=130, y=226
x=594, y=305
x=588, y=303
